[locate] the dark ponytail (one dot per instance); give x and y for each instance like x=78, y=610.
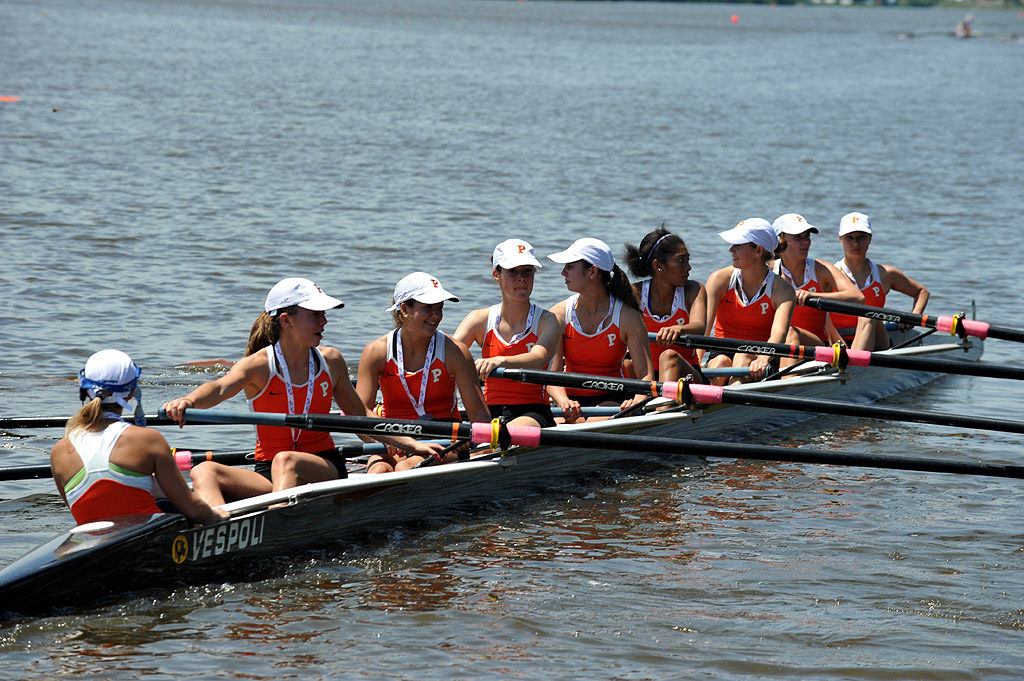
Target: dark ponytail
x=618, y=286
x=657, y=245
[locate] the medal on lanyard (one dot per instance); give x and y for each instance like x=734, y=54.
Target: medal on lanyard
x=427, y=361
x=283, y=365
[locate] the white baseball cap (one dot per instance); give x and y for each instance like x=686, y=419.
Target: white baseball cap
x=112, y=376
x=792, y=223
x=594, y=251
x=756, y=231
x=854, y=222
x=513, y=253
x=301, y=292
x=421, y=287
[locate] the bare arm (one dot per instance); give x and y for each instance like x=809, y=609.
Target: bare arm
x=904, y=284
x=167, y=475
x=472, y=328
x=783, y=297
x=460, y=363
x=570, y=408
x=371, y=363
x=251, y=372
x=718, y=282
x=834, y=284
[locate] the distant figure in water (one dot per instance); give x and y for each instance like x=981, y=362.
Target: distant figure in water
x=965, y=28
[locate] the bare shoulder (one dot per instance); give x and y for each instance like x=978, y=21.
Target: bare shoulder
x=62, y=448
x=558, y=309
x=719, y=278
x=782, y=290
x=142, y=438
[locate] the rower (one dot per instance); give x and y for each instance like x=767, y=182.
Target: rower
x=874, y=281
x=747, y=300
x=417, y=368
x=809, y=277
x=670, y=302
x=515, y=334
x=105, y=467
x=285, y=370
x=599, y=323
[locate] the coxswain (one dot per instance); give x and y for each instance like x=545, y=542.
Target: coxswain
x=747, y=300
x=515, y=334
x=671, y=303
x=599, y=323
x=874, y=282
x=105, y=467
x=285, y=370
x=419, y=371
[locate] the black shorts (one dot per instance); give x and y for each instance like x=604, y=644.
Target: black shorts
x=711, y=354
x=333, y=456
x=600, y=398
x=541, y=413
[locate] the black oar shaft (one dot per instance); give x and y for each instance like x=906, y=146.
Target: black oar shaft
x=837, y=408
x=61, y=421
x=25, y=473
x=673, y=446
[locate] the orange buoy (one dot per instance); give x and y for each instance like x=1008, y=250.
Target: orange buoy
x=735, y=18
x=9, y=98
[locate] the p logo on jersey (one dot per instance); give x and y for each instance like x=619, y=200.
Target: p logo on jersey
x=764, y=307
x=436, y=373
x=611, y=340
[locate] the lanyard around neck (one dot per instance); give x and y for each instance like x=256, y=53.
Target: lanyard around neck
x=283, y=365
x=525, y=332
x=427, y=361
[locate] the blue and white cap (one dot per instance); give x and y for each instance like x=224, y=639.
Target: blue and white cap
x=112, y=376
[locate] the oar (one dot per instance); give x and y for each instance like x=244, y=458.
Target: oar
x=709, y=394
x=497, y=434
x=61, y=421
x=952, y=324
x=839, y=356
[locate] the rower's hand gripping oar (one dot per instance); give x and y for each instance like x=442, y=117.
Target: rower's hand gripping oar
x=527, y=436
x=955, y=325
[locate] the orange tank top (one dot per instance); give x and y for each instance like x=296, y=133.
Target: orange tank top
x=429, y=392
x=274, y=399
x=804, y=317
x=679, y=315
x=600, y=353
x=499, y=391
x=874, y=295
x=737, y=317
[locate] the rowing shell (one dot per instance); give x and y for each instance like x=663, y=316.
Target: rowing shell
x=131, y=553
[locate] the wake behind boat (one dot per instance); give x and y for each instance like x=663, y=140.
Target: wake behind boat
x=164, y=550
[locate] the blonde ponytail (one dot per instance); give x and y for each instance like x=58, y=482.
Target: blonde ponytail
x=87, y=416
